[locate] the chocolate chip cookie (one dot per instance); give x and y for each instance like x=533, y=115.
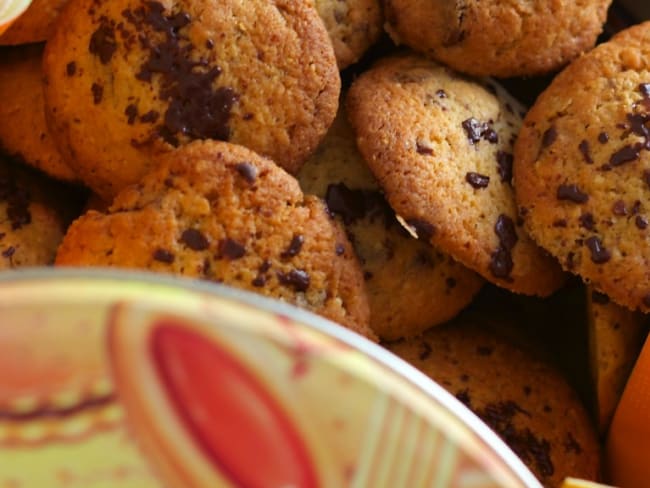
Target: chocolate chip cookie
x=582, y=168
x=34, y=213
x=395, y=265
x=128, y=81
x=220, y=212
x=23, y=130
x=523, y=399
x=497, y=37
x=441, y=146
x=353, y=26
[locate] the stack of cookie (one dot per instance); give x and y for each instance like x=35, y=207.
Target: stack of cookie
x=219, y=139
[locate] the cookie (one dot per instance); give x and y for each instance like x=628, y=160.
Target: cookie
x=582, y=168
x=220, y=212
x=353, y=26
x=524, y=400
x=496, y=37
x=34, y=213
x=440, y=146
x=616, y=336
x=127, y=82
x=35, y=24
x=395, y=265
x=23, y=130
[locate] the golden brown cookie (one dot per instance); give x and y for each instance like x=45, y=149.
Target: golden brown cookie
x=35, y=24
x=128, y=81
x=23, y=130
x=220, y=212
x=441, y=148
x=411, y=286
x=353, y=26
x=498, y=37
x=34, y=213
x=582, y=168
x=526, y=401
x=616, y=336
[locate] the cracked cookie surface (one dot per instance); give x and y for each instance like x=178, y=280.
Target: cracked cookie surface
x=220, y=212
x=440, y=146
x=128, y=81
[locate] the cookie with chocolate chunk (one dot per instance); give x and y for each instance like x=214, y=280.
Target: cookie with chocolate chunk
x=395, y=265
x=497, y=37
x=220, y=212
x=353, y=26
x=522, y=398
x=582, y=168
x=441, y=146
x=35, y=24
x=128, y=81
x=23, y=130
x=34, y=214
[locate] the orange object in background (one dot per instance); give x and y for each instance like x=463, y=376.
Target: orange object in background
x=10, y=10
x=628, y=443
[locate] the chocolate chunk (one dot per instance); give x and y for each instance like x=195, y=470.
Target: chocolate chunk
x=587, y=221
x=209, y=44
x=586, y=152
x=18, y=200
x=599, y=298
x=352, y=205
x=298, y=279
x=441, y=93
x=423, y=229
x=71, y=68
x=504, y=162
x=98, y=92
x=259, y=281
x=464, y=398
x=599, y=254
x=477, y=130
x=549, y=137
x=625, y=155
x=422, y=149
x=477, y=180
x=247, y=171
x=560, y=223
x=339, y=249
x=196, y=108
x=231, y=249
x=163, y=255
x=195, y=239
x=9, y=252
x=603, y=137
x=102, y=43
x=505, y=231
x=571, y=193
x=425, y=350
x=641, y=222
x=501, y=263
x=131, y=113
x=638, y=124
x=150, y=117
x=294, y=247
x=619, y=208
x=644, y=88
